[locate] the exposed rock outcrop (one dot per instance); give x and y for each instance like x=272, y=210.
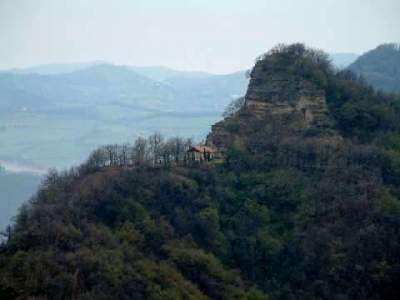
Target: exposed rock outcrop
x=275, y=92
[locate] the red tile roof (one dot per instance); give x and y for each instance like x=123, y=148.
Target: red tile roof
x=201, y=148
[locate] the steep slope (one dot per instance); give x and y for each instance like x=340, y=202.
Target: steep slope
x=300, y=206
x=380, y=67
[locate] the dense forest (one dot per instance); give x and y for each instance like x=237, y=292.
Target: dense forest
x=292, y=211
x=380, y=67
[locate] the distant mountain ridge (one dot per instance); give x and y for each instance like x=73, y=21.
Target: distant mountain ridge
x=161, y=73
x=380, y=67
x=158, y=73
x=110, y=83
x=57, y=68
x=109, y=100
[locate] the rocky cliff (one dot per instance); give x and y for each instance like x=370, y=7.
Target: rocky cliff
x=280, y=90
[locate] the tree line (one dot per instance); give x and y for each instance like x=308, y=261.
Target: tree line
x=153, y=150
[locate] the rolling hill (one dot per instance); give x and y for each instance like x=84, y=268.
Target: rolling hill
x=380, y=67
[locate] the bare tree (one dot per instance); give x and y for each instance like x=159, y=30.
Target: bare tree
x=177, y=148
x=140, y=151
x=97, y=159
x=165, y=154
x=112, y=154
x=155, y=142
x=154, y=150
x=123, y=154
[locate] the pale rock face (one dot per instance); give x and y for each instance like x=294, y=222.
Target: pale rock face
x=276, y=94
x=311, y=108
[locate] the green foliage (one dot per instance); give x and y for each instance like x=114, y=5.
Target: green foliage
x=391, y=141
x=300, y=61
x=359, y=110
x=287, y=215
x=391, y=171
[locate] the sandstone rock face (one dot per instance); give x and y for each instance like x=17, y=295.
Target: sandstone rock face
x=275, y=93
x=272, y=92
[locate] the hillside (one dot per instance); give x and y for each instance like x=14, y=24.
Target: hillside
x=380, y=67
x=302, y=204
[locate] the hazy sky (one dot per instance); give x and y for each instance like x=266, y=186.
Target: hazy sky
x=212, y=35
